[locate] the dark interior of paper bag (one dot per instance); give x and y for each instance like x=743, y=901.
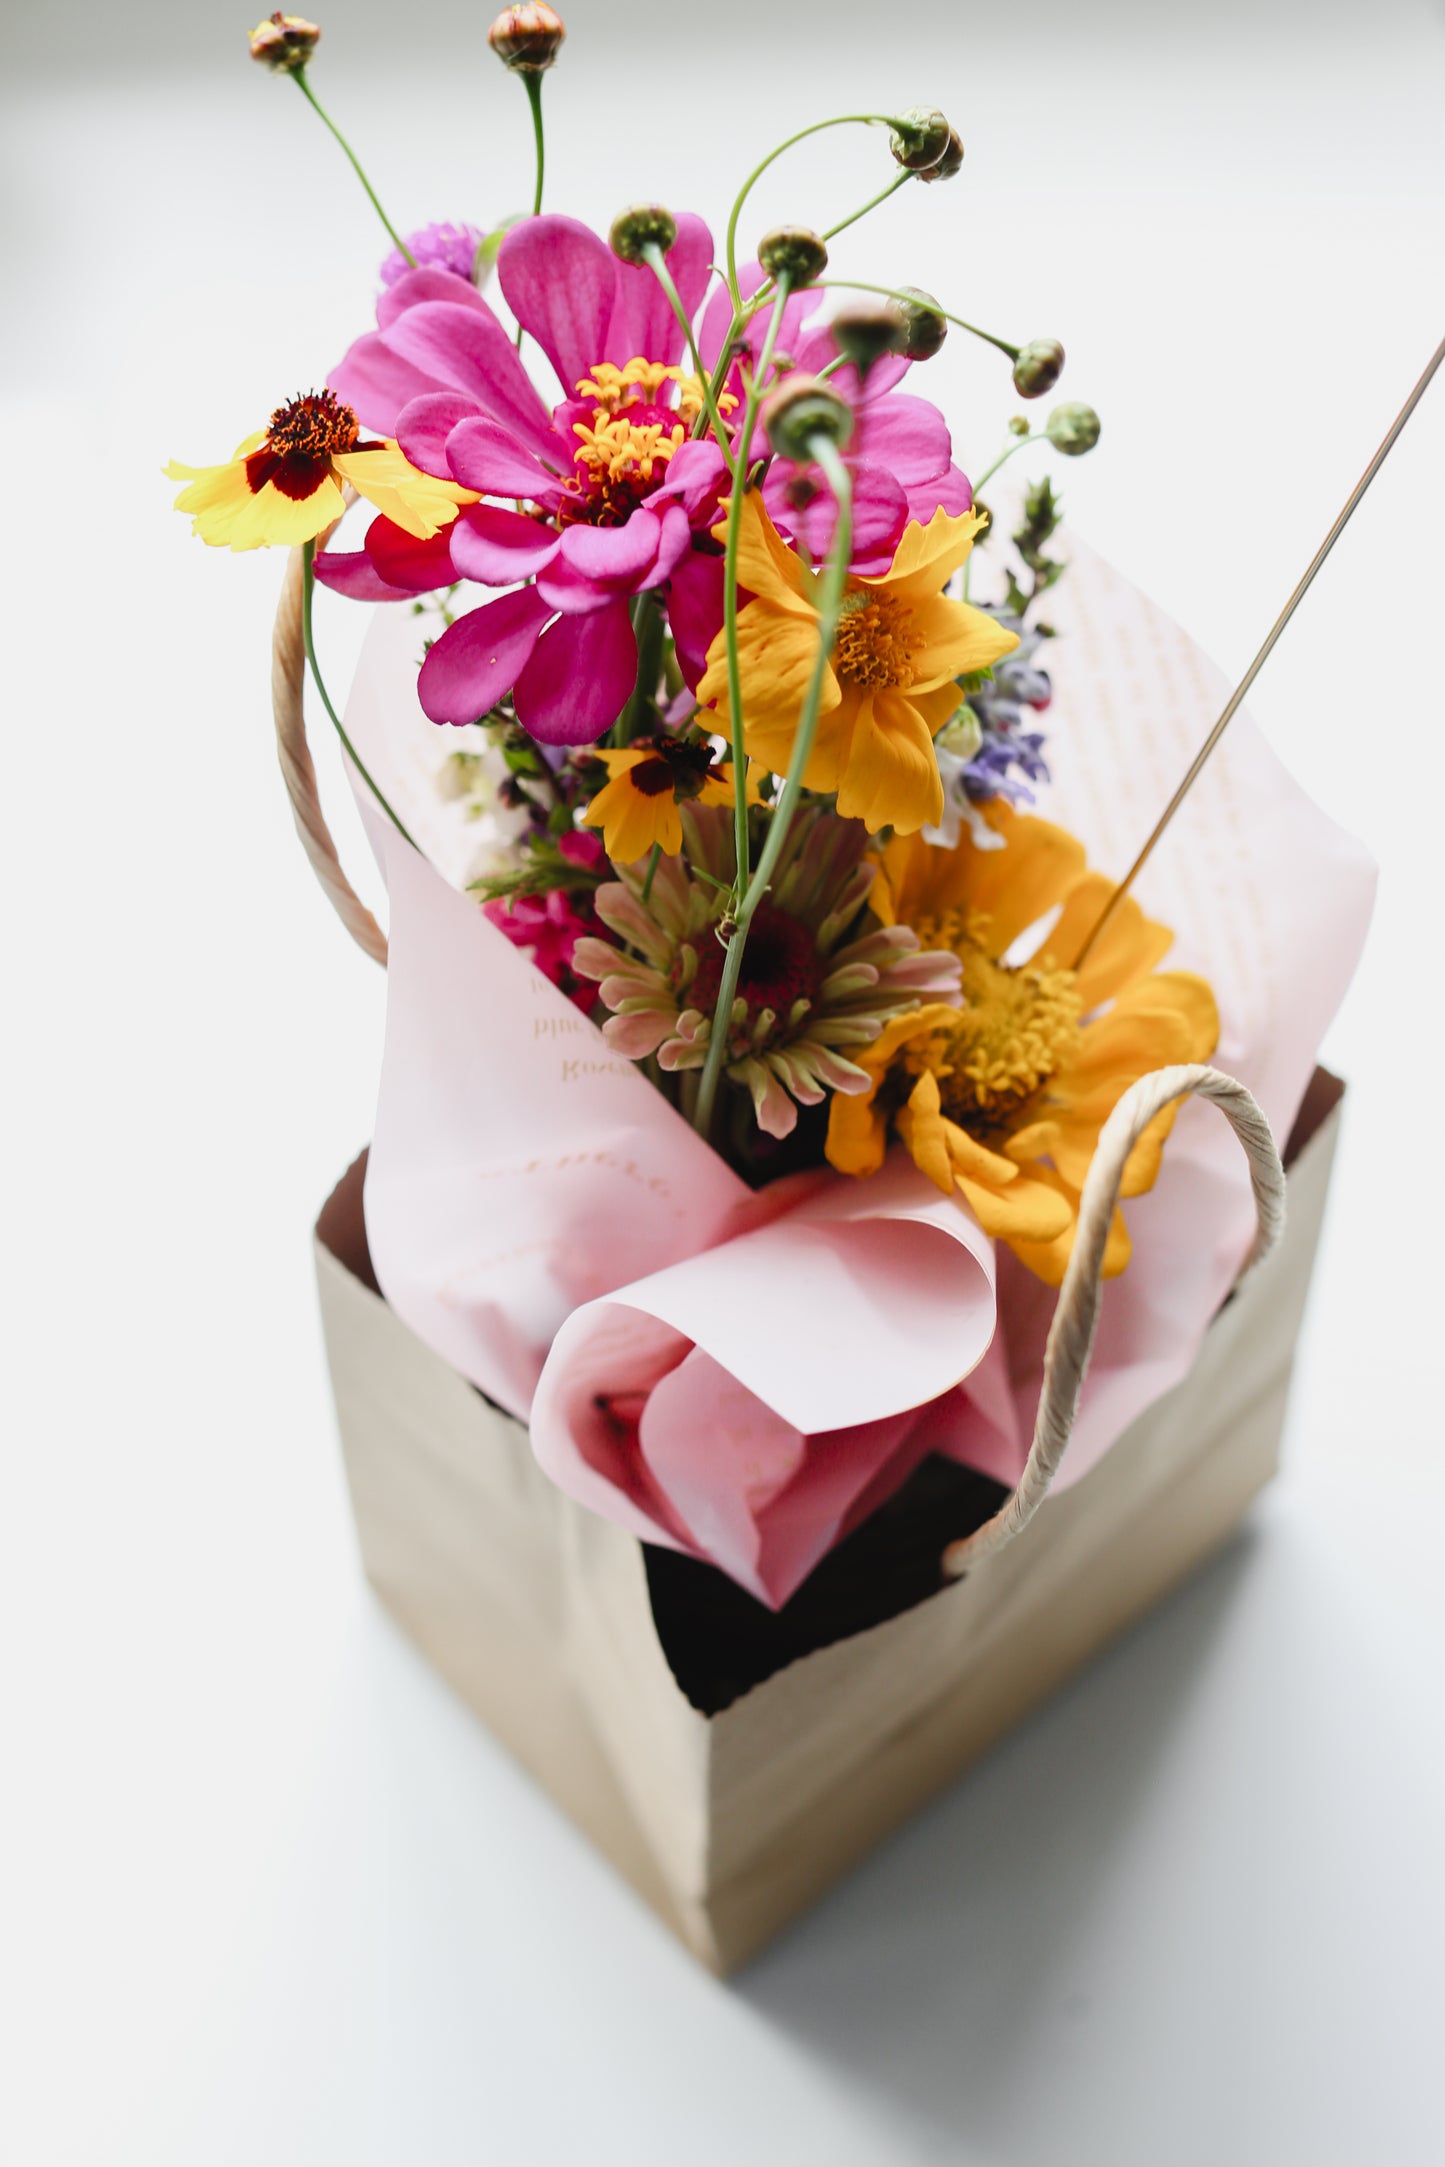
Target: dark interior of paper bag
x=717, y=1639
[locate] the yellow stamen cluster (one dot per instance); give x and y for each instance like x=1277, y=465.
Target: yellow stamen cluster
x=875, y=642
x=1018, y=1026
x=610, y=387
x=619, y=451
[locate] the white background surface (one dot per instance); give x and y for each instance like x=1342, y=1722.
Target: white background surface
x=268, y=1893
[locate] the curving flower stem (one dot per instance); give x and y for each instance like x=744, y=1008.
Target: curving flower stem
x=299, y=78
x=899, y=180
x=754, y=393
x=533, y=83
x=830, y=608
x=1039, y=436
x=896, y=293
x=658, y=263
x=308, y=590
x=840, y=120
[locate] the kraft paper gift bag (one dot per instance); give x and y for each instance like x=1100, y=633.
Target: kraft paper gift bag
x=732, y=1761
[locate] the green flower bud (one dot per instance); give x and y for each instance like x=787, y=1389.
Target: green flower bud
x=1039, y=366
x=284, y=43
x=921, y=137
x=1020, y=425
x=1073, y=429
x=804, y=407
x=962, y=735
x=639, y=227
x=795, y=253
x=925, y=326
x=949, y=163
x=527, y=39
x=868, y=331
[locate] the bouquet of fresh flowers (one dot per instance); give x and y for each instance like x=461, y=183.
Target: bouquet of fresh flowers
x=760, y=1056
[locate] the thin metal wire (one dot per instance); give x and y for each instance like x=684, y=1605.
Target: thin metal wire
x=1240, y=690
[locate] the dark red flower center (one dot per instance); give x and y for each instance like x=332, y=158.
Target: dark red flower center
x=300, y=442
x=781, y=965
x=677, y=765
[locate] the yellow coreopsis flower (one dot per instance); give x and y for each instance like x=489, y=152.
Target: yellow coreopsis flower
x=892, y=684
x=638, y=805
x=283, y=485
x=1003, y=1096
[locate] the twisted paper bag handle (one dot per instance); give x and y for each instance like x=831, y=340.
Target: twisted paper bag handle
x=1071, y=1335
x=1076, y=1316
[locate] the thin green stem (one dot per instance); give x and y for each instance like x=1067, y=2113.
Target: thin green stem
x=896, y=293
x=299, y=78
x=308, y=589
x=533, y=83
x=899, y=180
x=841, y=120
x=830, y=607
x=652, y=865
x=666, y=281
x=1017, y=444
x=647, y=627
x=730, y=582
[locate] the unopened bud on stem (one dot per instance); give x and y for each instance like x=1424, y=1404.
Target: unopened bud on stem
x=804, y=407
x=1073, y=429
x=640, y=227
x=921, y=137
x=867, y=332
x=949, y=163
x=1039, y=366
x=284, y=43
x=527, y=39
x=925, y=327
x=795, y=253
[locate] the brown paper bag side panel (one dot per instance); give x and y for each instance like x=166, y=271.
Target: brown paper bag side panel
x=460, y=1537
x=536, y=1612
x=788, y=1742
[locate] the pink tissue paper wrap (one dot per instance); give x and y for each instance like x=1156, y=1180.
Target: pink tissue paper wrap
x=744, y=1376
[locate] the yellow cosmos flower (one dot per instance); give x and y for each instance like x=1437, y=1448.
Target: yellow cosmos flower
x=284, y=484
x=891, y=688
x=1003, y=1096
x=648, y=781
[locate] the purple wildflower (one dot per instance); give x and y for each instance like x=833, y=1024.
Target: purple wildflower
x=443, y=247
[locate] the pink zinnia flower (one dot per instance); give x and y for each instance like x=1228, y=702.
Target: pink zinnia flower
x=621, y=501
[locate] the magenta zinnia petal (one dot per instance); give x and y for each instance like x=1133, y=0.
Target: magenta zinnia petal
x=404, y=562
x=880, y=513
x=428, y=282
x=579, y=678
x=486, y=457
x=904, y=434
x=466, y=349
x=695, y=611
x=480, y=657
x=352, y=573
x=499, y=547
x=642, y=320
x=560, y=281
x=376, y=383
x=614, y=556
x=423, y=426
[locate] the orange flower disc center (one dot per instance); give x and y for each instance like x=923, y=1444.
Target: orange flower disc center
x=1017, y=1028
x=875, y=642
